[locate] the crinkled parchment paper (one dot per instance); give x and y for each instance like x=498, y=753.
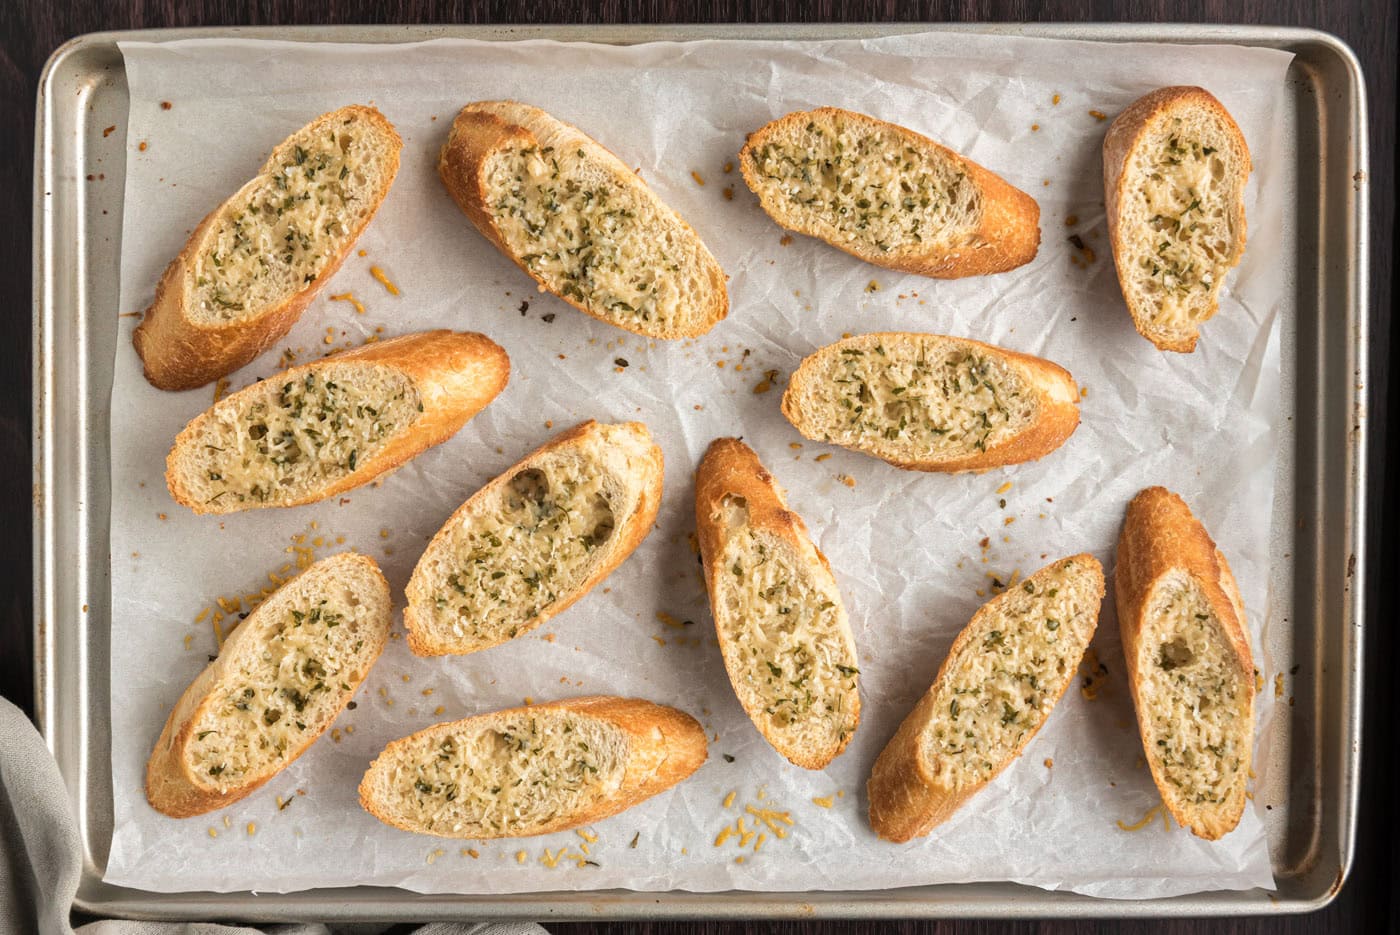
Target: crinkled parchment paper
x=905, y=546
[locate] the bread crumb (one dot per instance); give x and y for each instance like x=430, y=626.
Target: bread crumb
x=872, y=286
x=728, y=193
x=766, y=384
x=549, y=423
x=846, y=479
x=1278, y=685
x=1071, y=220
x=728, y=168
x=1035, y=128
x=1098, y=115
x=1083, y=392
x=141, y=146
x=697, y=177
x=108, y=131
x=1049, y=762
x=471, y=852
x=1008, y=521
x=1055, y=100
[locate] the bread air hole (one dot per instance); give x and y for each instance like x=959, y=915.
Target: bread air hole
x=530, y=486
x=603, y=528
x=1174, y=654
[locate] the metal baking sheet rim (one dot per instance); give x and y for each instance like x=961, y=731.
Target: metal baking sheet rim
x=70, y=472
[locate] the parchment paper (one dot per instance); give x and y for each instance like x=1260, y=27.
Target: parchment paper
x=905, y=546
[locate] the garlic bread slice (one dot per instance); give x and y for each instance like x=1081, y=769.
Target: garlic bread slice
x=323, y=428
x=532, y=770
x=1175, y=166
x=1002, y=678
x=535, y=539
x=928, y=402
x=888, y=195
x=1189, y=662
x=580, y=222
x=278, y=682
x=254, y=264
x=781, y=624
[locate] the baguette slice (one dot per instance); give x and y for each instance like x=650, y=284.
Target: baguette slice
x=535, y=539
x=782, y=628
x=1189, y=664
x=532, y=770
x=1002, y=678
x=1175, y=166
x=888, y=195
x=318, y=430
x=279, y=681
x=253, y=265
x=927, y=402
x=581, y=223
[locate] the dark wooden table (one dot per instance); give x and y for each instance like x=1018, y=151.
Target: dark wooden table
x=31, y=29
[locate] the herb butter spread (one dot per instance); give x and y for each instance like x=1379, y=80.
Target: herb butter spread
x=279, y=233
x=786, y=647
x=1184, y=241
x=867, y=184
x=522, y=548
x=1196, y=723
x=1006, y=677
x=606, y=246
x=298, y=432
x=923, y=397
x=505, y=774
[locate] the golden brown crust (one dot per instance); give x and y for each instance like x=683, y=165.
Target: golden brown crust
x=1160, y=536
x=171, y=788
x=732, y=469
x=906, y=800
x=178, y=353
x=457, y=373
x=649, y=484
x=484, y=128
x=1055, y=389
x=1124, y=135
x=1007, y=236
x=665, y=745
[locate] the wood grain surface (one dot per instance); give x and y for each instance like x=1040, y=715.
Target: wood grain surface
x=31, y=29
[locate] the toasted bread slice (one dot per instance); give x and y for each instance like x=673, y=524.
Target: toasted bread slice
x=888, y=195
x=318, y=430
x=581, y=223
x=1175, y=166
x=1002, y=678
x=279, y=681
x=253, y=265
x=782, y=628
x=535, y=539
x=1189, y=664
x=532, y=770
x=927, y=402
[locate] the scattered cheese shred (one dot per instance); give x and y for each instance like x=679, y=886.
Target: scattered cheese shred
x=824, y=801
x=521, y=857
x=729, y=799
x=350, y=297
x=1004, y=487
x=252, y=828
x=434, y=855
x=587, y=835
x=378, y=274
x=1142, y=822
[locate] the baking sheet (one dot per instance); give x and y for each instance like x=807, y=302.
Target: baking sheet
x=909, y=588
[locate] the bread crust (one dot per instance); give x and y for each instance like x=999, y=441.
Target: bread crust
x=1160, y=536
x=629, y=535
x=484, y=128
x=906, y=800
x=457, y=373
x=179, y=353
x=171, y=788
x=665, y=745
x=731, y=468
x=1007, y=236
x=1125, y=134
x=1057, y=394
